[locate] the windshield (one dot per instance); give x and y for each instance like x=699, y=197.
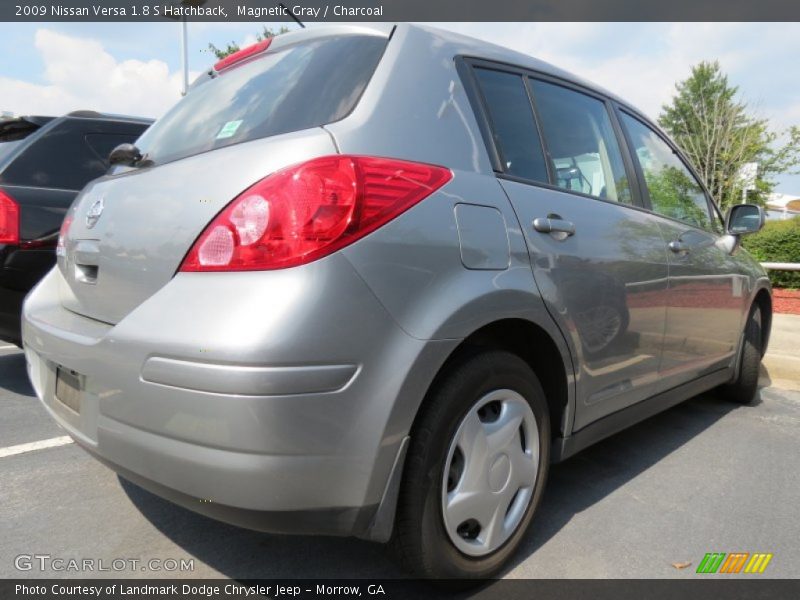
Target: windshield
x=300, y=86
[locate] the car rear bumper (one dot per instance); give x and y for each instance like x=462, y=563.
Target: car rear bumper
x=10, y=310
x=288, y=423
x=20, y=270
x=195, y=477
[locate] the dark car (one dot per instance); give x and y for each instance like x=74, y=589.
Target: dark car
x=44, y=163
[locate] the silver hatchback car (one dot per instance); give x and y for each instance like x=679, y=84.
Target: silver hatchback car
x=372, y=282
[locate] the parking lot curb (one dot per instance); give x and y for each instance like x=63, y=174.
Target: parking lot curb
x=781, y=371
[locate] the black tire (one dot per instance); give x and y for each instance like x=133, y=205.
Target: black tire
x=420, y=538
x=743, y=389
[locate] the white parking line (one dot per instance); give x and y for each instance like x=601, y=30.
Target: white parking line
x=8, y=347
x=40, y=445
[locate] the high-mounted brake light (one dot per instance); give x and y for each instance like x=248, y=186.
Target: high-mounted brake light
x=302, y=213
x=240, y=55
x=9, y=220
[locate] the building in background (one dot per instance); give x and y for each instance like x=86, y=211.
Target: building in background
x=782, y=206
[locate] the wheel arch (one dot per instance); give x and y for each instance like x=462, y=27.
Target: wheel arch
x=537, y=347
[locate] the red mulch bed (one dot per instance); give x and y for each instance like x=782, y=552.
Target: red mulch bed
x=786, y=301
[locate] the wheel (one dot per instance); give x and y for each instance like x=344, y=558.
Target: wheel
x=743, y=389
x=475, y=470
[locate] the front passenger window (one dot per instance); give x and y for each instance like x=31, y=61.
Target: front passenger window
x=674, y=191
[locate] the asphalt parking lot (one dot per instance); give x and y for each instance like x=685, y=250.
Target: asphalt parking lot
x=704, y=476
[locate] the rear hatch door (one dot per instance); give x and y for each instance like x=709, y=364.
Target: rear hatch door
x=131, y=230
x=129, y=233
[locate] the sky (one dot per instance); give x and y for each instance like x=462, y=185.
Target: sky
x=134, y=68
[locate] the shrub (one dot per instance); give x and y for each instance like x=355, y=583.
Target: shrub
x=779, y=241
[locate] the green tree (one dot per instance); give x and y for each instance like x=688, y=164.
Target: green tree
x=719, y=134
x=673, y=192
x=232, y=47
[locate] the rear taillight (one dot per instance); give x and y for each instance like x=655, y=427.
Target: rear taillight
x=61, y=248
x=9, y=220
x=242, y=54
x=310, y=210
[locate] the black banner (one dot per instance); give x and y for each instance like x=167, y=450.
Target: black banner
x=400, y=10
x=693, y=586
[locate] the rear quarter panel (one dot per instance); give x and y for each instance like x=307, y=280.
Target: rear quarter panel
x=416, y=108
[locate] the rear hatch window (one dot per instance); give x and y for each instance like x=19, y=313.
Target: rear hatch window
x=67, y=153
x=296, y=87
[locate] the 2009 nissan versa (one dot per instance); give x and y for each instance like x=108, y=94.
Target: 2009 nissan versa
x=372, y=283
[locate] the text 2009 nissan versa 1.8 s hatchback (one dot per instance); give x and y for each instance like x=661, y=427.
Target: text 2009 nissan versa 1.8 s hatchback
x=371, y=283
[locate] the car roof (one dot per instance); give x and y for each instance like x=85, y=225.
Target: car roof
x=462, y=45
x=496, y=53
x=14, y=122
x=92, y=114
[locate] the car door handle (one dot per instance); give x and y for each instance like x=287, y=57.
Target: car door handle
x=554, y=225
x=678, y=246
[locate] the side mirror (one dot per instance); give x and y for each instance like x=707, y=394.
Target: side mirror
x=127, y=154
x=744, y=218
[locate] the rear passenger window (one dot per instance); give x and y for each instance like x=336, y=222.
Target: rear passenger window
x=674, y=191
x=513, y=125
x=581, y=142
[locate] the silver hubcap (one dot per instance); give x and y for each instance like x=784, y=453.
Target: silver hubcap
x=490, y=472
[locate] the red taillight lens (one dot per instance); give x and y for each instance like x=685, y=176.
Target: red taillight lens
x=61, y=248
x=239, y=55
x=9, y=220
x=310, y=210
